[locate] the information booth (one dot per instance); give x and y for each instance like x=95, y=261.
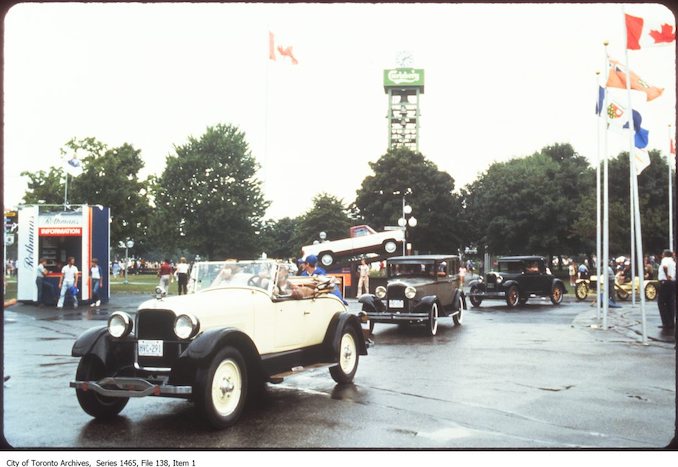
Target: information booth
x=57, y=233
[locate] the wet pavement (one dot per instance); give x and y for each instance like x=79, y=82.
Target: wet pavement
x=540, y=376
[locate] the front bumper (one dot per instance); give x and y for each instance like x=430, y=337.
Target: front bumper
x=394, y=316
x=132, y=387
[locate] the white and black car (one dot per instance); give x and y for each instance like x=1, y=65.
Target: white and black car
x=516, y=279
x=243, y=325
x=419, y=289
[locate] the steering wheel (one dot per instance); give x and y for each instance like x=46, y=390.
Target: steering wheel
x=254, y=281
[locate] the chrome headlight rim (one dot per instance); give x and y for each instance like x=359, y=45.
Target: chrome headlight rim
x=120, y=325
x=380, y=292
x=410, y=292
x=186, y=326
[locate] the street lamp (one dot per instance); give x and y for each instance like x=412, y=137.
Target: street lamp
x=404, y=221
x=129, y=244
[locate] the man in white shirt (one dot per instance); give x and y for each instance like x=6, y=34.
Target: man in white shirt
x=69, y=278
x=667, y=290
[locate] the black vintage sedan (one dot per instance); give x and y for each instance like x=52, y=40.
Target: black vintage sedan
x=420, y=289
x=516, y=279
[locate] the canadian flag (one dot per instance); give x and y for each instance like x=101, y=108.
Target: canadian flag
x=274, y=50
x=644, y=32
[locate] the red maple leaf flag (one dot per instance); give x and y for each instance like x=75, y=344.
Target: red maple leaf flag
x=641, y=33
x=274, y=51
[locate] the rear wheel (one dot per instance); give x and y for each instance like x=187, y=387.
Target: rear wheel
x=556, y=294
x=390, y=246
x=581, y=291
x=221, y=388
x=512, y=296
x=621, y=293
x=326, y=259
x=650, y=291
x=432, y=327
x=347, y=359
x=91, y=368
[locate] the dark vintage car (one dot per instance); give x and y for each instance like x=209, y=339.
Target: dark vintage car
x=420, y=289
x=516, y=279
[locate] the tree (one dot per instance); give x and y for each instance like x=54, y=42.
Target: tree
x=328, y=214
x=529, y=205
x=379, y=200
x=279, y=238
x=209, y=195
x=653, y=203
x=109, y=178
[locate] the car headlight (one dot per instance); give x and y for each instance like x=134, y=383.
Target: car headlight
x=119, y=324
x=380, y=291
x=186, y=326
x=499, y=279
x=410, y=292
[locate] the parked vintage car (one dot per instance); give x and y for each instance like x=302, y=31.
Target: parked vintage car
x=362, y=239
x=420, y=289
x=623, y=291
x=247, y=323
x=516, y=279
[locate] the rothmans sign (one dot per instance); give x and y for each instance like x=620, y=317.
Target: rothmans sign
x=404, y=77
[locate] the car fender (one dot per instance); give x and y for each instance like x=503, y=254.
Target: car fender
x=457, y=294
x=426, y=303
x=507, y=284
x=559, y=282
x=209, y=342
x=371, y=303
x=112, y=352
x=477, y=283
x=333, y=335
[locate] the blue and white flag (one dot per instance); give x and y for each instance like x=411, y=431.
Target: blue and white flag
x=616, y=110
x=73, y=166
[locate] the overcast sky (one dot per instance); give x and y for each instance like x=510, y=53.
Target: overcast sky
x=502, y=81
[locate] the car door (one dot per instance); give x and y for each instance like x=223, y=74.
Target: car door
x=445, y=283
x=289, y=323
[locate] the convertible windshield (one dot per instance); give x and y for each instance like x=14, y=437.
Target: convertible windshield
x=213, y=274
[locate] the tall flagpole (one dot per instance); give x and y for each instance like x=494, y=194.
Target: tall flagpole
x=598, y=226
x=634, y=194
x=606, y=211
x=668, y=161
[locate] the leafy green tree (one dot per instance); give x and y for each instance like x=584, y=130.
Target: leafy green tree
x=404, y=173
x=209, y=196
x=109, y=178
x=44, y=187
x=529, y=205
x=653, y=194
x=328, y=214
x=279, y=238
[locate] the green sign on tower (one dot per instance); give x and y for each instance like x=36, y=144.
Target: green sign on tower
x=403, y=86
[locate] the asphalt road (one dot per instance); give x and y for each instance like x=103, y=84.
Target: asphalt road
x=540, y=376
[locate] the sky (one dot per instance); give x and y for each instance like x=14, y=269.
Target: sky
x=502, y=81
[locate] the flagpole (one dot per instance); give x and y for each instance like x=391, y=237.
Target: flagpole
x=598, y=226
x=606, y=211
x=668, y=162
x=66, y=189
x=634, y=194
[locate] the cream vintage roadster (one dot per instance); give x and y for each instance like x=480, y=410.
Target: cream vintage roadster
x=245, y=323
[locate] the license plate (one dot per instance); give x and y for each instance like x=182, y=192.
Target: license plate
x=150, y=348
x=396, y=303
x=490, y=286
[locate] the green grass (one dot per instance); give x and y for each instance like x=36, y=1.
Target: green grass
x=141, y=284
